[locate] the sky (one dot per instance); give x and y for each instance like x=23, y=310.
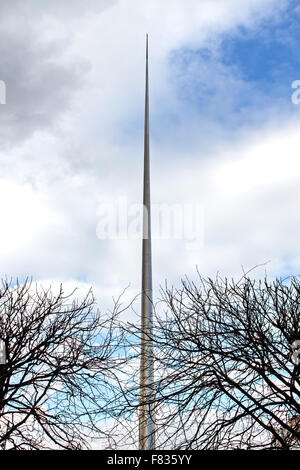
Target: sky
x=224, y=138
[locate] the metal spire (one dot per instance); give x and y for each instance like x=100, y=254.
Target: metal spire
x=146, y=417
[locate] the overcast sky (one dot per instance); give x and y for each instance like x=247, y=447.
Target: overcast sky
x=224, y=136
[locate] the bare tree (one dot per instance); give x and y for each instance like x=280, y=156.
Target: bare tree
x=227, y=376
x=56, y=385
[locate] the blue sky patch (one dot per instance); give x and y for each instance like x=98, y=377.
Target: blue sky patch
x=245, y=71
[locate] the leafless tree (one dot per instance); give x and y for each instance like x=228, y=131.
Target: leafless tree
x=57, y=384
x=227, y=376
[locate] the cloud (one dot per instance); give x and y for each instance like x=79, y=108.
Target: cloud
x=72, y=136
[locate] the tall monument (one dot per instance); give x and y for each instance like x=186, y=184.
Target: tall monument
x=146, y=412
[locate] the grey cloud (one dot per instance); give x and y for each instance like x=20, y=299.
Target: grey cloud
x=38, y=90
x=63, y=9
x=39, y=84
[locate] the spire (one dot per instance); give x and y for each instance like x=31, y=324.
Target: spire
x=146, y=418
